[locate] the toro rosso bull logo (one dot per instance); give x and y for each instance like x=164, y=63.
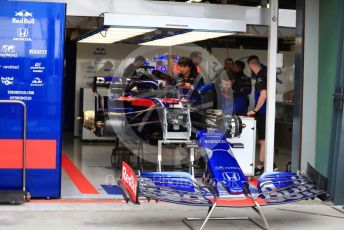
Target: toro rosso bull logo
x=23, y=17
x=7, y=80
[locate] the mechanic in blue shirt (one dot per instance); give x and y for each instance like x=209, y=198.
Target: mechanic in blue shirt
x=222, y=88
x=259, y=111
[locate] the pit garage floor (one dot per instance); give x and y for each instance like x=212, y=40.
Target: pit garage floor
x=37, y=215
x=86, y=167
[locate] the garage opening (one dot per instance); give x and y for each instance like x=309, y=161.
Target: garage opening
x=100, y=58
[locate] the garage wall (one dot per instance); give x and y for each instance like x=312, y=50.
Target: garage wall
x=329, y=12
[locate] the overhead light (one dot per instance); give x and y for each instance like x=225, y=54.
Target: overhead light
x=114, y=34
x=185, y=38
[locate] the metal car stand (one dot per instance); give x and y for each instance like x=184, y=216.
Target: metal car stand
x=205, y=220
x=177, y=130
x=190, y=144
x=338, y=209
x=17, y=196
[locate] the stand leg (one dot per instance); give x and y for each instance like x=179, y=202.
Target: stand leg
x=192, y=159
x=114, y=155
x=341, y=211
x=159, y=156
x=212, y=208
x=205, y=220
x=208, y=216
x=140, y=154
x=258, y=209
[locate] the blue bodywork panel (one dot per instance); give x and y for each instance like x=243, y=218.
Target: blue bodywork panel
x=223, y=167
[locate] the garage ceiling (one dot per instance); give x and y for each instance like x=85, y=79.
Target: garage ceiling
x=283, y=4
x=78, y=26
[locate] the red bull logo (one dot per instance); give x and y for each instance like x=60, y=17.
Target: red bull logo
x=23, y=17
x=129, y=181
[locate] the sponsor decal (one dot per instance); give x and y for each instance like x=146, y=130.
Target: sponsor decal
x=38, y=52
x=8, y=51
x=90, y=69
x=23, y=17
x=226, y=168
x=231, y=176
x=7, y=80
x=37, y=68
x=22, y=35
x=129, y=182
x=215, y=141
x=20, y=92
x=37, y=82
x=213, y=134
x=99, y=51
x=20, y=95
x=10, y=67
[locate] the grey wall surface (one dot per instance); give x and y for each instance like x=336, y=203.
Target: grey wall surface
x=310, y=89
x=329, y=34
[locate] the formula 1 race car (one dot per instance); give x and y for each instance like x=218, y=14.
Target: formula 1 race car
x=149, y=106
x=152, y=110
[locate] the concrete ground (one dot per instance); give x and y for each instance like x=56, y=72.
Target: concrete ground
x=303, y=215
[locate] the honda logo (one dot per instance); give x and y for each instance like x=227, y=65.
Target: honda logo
x=22, y=33
x=231, y=176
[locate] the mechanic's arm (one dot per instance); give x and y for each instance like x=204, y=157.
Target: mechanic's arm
x=200, y=82
x=260, y=103
x=261, y=100
x=205, y=88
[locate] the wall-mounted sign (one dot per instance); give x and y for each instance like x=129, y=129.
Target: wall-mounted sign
x=31, y=70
